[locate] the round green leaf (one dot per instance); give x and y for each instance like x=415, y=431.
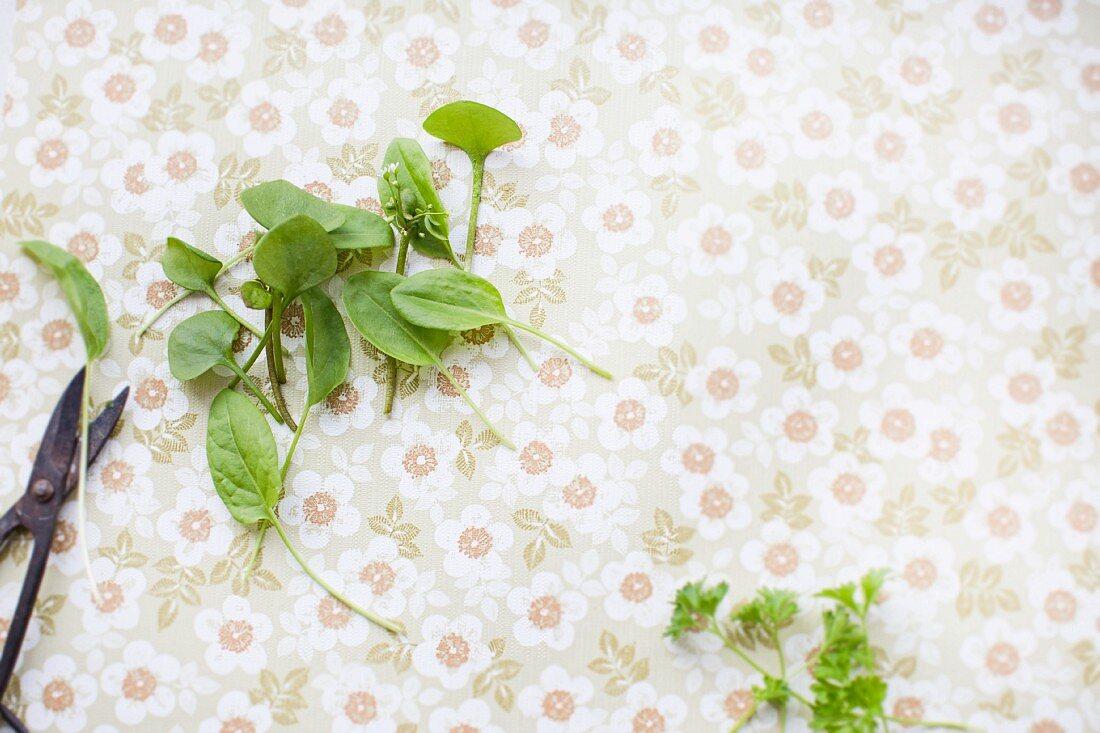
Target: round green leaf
x=81, y=290
x=242, y=456
x=295, y=256
x=200, y=342
x=449, y=299
x=328, y=349
x=476, y=128
x=274, y=202
x=367, y=301
x=361, y=230
x=255, y=295
x=188, y=267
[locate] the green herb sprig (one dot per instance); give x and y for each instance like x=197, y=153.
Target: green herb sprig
x=848, y=692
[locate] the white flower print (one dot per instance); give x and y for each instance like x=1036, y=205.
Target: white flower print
x=817, y=124
x=19, y=388
x=420, y=462
x=988, y=26
x=236, y=711
x=475, y=546
x=848, y=490
x=825, y=22
x=183, y=167
x=234, y=636
x=79, y=33
x=115, y=604
x=619, y=218
x=630, y=46
x=648, y=311
x=546, y=612
x=916, y=69
x=378, y=577
x=1075, y=175
x=321, y=508
x=630, y=416
x=472, y=714
x=345, y=113
x=998, y=654
x=636, y=590
x=17, y=289
x=536, y=240
x=931, y=342
x=197, y=527
x=732, y=700
x=789, y=294
x=333, y=30
x=597, y=497
x=697, y=456
x=666, y=142
x=451, y=650
x=954, y=438
x=142, y=683
x=1065, y=427
x=571, y=130
x=14, y=111
x=971, y=191
x=123, y=490
x=847, y=355
x=534, y=465
x=1050, y=16
x=53, y=339
x=422, y=52
x=1000, y=522
x=718, y=505
x=58, y=695
x=9, y=599
x=723, y=383
x=167, y=31
x=782, y=557
x=356, y=699
x=1021, y=120
x=263, y=118
x=1075, y=516
x=127, y=180
x=711, y=242
x=1020, y=384
x=1015, y=295
x=1080, y=285
x=318, y=622
x=893, y=148
x=1080, y=67
x=897, y=422
x=891, y=261
x=1062, y=608
x=750, y=152
x=559, y=702
x=799, y=425
x=89, y=240
x=119, y=89
x=709, y=38
x=224, y=34
x=840, y=204
x=349, y=406
x=52, y=153
x=647, y=710
x=472, y=373
x=155, y=395
x=532, y=30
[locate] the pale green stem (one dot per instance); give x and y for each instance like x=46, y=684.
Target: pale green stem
x=473, y=405
x=391, y=363
x=475, y=204
x=384, y=623
x=243, y=254
x=519, y=345
x=277, y=306
x=294, y=443
x=161, y=311
x=248, y=383
x=561, y=345
x=744, y=720
x=280, y=402
x=250, y=566
x=255, y=355
x=717, y=631
x=81, y=484
x=236, y=316
x=934, y=724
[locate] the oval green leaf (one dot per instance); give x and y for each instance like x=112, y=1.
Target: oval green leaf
x=81, y=290
x=255, y=295
x=476, y=128
x=242, y=456
x=328, y=349
x=449, y=299
x=200, y=342
x=361, y=230
x=367, y=301
x=189, y=267
x=295, y=256
x=429, y=235
x=273, y=202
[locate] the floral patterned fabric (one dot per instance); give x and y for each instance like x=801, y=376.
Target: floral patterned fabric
x=841, y=257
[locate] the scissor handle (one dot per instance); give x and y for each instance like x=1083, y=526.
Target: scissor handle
x=21, y=619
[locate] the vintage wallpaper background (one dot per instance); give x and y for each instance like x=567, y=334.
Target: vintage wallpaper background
x=843, y=258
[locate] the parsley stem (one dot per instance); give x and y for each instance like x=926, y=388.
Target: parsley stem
x=386, y=624
x=744, y=719
x=475, y=204
x=721, y=634
x=933, y=724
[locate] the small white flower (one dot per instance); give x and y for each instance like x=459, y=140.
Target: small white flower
x=475, y=546
x=1075, y=175
x=989, y=26
x=198, y=526
x=422, y=52
x=534, y=32
x=847, y=355
x=119, y=89
x=717, y=506
x=235, y=708
x=840, y=204
x=971, y=191
x=234, y=636
x=378, y=577
x=998, y=654
x=891, y=260
x=892, y=146
x=58, y=695
x=559, y=702
x=333, y=30
x=931, y=342
x=619, y=218
x=546, y=612
x=750, y=152
x=649, y=311
x=800, y=425
x=711, y=243
x=537, y=240
x=451, y=650
x=1020, y=384
x=356, y=700
x=167, y=31
x=897, y=423
x=1065, y=427
x=142, y=683
x=1000, y=522
x=782, y=557
x=630, y=46
x=666, y=142
x=263, y=118
x=52, y=153
x=789, y=295
x=80, y=33
x=848, y=490
x=1075, y=516
x=115, y=604
x=321, y=508
x=817, y=124
x=646, y=709
x=637, y=591
x=916, y=70
x=346, y=112
x=723, y=383
x=630, y=416
x=223, y=35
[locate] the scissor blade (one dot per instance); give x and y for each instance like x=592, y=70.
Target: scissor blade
x=56, y=451
x=102, y=427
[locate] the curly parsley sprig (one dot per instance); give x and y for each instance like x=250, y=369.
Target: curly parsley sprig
x=848, y=694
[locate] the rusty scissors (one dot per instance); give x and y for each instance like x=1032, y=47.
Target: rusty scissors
x=53, y=478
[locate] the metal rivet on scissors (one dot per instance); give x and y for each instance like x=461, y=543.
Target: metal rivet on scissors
x=53, y=478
